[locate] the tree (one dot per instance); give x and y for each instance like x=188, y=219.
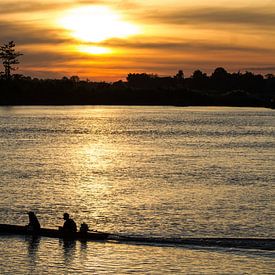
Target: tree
x=75, y=79
x=199, y=75
x=219, y=74
x=9, y=58
x=199, y=80
x=220, y=79
x=269, y=76
x=179, y=75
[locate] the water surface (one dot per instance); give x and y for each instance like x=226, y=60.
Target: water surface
x=150, y=171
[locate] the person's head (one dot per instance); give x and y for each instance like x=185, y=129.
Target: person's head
x=31, y=214
x=66, y=216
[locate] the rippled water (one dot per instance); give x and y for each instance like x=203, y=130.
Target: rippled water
x=150, y=171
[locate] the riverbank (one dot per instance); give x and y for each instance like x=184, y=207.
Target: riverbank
x=219, y=89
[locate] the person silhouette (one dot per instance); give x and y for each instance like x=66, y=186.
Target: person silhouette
x=34, y=224
x=69, y=227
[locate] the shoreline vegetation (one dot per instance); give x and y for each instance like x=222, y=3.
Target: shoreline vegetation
x=219, y=89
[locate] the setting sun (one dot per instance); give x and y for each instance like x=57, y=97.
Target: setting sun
x=96, y=24
x=114, y=38
x=137, y=136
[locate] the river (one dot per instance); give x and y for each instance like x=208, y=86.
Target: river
x=142, y=171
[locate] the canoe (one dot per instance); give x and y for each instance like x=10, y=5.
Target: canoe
x=51, y=233
x=244, y=243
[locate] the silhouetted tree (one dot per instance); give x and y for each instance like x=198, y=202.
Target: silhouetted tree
x=9, y=58
x=179, y=75
x=219, y=74
x=75, y=79
x=221, y=89
x=65, y=78
x=269, y=76
x=220, y=79
x=119, y=85
x=179, y=79
x=199, y=75
x=199, y=80
x=142, y=80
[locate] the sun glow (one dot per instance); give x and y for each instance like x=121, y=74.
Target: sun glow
x=96, y=24
x=93, y=49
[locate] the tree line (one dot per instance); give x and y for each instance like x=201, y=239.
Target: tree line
x=221, y=88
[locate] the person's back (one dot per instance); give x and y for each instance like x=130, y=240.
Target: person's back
x=34, y=224
x=69, y=228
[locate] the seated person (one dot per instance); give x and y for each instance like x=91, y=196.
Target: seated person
x=69, y=226
x=34, y=224
x=84, y=228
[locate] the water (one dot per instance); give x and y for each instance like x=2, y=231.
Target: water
x=146, y=171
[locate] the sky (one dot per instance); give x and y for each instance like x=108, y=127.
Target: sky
x=107, y=39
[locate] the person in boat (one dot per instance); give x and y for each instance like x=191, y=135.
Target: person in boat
x=69, y=227
x=84, y=228
x=34, y=224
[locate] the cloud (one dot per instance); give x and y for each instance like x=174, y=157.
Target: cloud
x=124, y=4
x=29, y=6
x=192, y=45
x=28, y=34
x=48, y=49
x=200, y=16
x=44, y=58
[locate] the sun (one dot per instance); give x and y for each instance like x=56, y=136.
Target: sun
x=96, y=24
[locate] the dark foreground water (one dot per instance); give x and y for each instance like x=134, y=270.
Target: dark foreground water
x=165, y=172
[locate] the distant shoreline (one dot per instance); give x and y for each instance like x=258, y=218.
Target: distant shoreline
x=133, y=105
x=219, y=89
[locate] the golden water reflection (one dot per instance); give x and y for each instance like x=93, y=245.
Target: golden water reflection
x=115, y=258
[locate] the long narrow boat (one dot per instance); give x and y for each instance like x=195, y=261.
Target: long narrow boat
x=51, y=233
x=245, y=243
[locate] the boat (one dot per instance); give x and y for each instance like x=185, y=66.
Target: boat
x=244, y=243
x=51, y=233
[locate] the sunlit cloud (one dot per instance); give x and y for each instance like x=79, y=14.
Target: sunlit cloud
x=214, y=16
x=28, y=34
x=96, y=23
x=179, y=45
x=93, y=49
x=10, y=7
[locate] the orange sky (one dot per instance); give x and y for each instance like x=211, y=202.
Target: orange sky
x=106, y=40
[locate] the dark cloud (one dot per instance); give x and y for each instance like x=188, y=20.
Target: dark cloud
x=29, y=34
x=43, y=58
x=29, y=6
x=122, y=4
x=12, y=7
x=216, y=16
x=183, y=46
